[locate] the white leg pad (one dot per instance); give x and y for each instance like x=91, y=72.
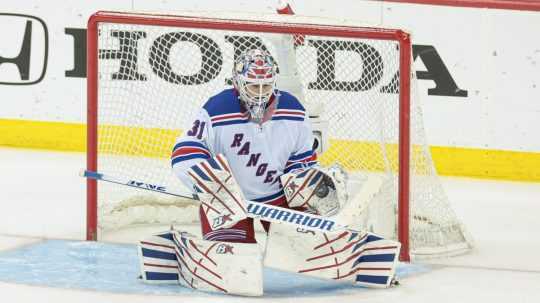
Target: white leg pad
x=354, y=257
x=177, y=257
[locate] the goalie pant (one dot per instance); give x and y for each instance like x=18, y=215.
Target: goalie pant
x=243, y=231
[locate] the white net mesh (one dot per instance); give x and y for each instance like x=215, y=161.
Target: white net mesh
x=153, y=79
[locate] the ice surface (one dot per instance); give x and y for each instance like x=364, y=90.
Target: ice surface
x=114, y=268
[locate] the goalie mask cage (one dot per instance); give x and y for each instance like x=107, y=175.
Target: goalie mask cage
x=148, y=75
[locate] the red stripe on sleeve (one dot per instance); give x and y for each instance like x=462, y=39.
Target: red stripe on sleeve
x=189, y=150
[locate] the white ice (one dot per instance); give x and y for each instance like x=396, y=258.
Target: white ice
x=42, y=197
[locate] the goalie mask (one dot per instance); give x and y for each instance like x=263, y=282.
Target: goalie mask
x=254, y=77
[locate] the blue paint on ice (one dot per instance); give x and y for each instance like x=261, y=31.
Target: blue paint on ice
x=114, y=268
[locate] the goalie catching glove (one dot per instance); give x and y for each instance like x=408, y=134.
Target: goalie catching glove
x=322, y=191
x=221, y=197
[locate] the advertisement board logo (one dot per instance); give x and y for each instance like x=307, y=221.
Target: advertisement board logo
x=212, y=53
x=24, y=49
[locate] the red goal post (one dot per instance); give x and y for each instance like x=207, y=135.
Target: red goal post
x=291, y=27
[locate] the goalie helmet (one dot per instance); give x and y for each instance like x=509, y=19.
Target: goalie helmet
x=254, y=77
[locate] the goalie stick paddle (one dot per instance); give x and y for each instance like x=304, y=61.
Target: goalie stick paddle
x=274, y=214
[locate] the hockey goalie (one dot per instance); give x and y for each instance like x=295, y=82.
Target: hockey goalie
x=254, y=142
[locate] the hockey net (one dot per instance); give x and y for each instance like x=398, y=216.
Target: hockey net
x=149, y=74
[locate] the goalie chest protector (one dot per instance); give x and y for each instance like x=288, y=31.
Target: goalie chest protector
x=257, y=153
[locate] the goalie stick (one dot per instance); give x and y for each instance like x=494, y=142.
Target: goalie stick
x=255, y=210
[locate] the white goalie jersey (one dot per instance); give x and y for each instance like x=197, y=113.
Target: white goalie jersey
x=258, y=154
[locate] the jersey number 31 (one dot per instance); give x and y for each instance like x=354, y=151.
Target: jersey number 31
x=197, y=129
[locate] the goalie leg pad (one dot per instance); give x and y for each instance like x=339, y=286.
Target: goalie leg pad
x=361, y=258
x=222, y=267
x=157, y=256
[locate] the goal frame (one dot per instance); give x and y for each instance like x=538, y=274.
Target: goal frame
x=405, y=61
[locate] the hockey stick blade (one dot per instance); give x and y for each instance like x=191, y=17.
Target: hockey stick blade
x=359, y=203
x=255, y=210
